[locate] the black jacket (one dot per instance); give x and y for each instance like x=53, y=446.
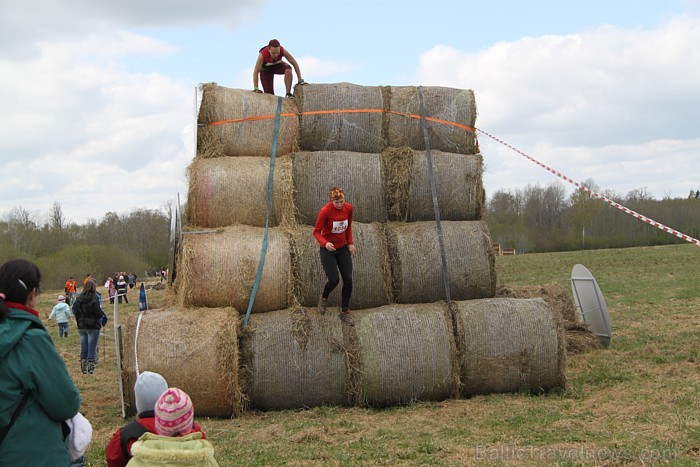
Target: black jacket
x=87, y=312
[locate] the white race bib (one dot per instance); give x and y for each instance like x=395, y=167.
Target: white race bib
x=339, y=227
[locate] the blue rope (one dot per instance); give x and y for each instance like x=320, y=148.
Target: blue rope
x=270, y=177
x=433, y=191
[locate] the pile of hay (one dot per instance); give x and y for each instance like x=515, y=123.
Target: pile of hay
x=294, y=359
x=415, y=259
x=371, y=273
x=247, y=138
x=357, y=132
x=384, y=353
x=509, y=344
x=195, y=350
x=406, y=353
x=233, y=190
x=218, y=269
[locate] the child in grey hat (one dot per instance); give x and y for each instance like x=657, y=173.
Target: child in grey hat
x=148, y=388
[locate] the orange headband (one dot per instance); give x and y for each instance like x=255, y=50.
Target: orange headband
x=337, y=193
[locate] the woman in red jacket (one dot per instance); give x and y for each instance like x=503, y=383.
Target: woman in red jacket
x=333, y=232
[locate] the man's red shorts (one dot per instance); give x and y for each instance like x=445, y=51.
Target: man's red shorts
x=267, y=75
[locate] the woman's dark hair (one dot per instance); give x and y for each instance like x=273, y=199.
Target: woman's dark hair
x=89, y=289
x=17, y=278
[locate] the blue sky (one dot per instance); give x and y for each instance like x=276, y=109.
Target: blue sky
x=98, y=97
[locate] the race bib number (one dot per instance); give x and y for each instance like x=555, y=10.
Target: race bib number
x=339, y=227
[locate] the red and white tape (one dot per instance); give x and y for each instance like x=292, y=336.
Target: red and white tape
x=622, y=208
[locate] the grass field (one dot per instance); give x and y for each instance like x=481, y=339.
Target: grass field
x=637, y=402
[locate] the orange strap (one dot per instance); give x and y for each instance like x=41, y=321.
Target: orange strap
x=340, y=111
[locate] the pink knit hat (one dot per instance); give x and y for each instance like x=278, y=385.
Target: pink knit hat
x=174, y=413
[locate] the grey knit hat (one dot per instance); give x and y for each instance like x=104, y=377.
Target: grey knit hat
x=148, y=388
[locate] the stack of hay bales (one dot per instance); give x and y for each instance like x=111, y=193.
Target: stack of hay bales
x=402, y=341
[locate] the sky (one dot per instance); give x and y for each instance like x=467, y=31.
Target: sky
x=98, y=98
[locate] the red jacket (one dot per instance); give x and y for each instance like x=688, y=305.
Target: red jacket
x=334, y=225
x=118, y=449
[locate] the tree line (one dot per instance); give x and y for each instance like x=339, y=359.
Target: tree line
x=544, y=219
x=531, y=220
x=136, y=242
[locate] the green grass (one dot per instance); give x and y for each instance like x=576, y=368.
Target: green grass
x=637, y=402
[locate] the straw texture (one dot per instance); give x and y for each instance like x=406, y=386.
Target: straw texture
x=415, y=260
x=233, y=190
x=448, y=104
x=509, y=345
x=406, y=352
x=195, y=350
x=358, y=132
x=219, y=268
x=246, y=138
x=294, y=360
x=358, y=174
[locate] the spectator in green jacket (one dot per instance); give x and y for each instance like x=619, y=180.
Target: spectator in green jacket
x=36, y=390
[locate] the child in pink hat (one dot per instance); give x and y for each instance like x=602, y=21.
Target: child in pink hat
x=178, y=436
x=174, y=413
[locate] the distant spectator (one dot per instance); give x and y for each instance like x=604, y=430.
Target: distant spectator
x=122, y=290
x=88, y=314
x=112, y=289
x=87, y=278
x=132, y=280
x=61, y=311
x=69, y=290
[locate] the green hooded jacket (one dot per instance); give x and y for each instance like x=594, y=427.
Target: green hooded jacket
x=189, y=450
x=30, y=363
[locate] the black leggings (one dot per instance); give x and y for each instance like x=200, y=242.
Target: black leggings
x=333, y=261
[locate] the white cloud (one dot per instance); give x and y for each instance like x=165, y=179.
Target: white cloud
x=25, y=23
x=614, y=105
x=83, y=132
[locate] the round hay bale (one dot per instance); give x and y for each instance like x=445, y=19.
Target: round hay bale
x=358, y=174
x=406, y=353
x=294, y=359
x=460, y=191
x=371, y=275
x=246, y=138
x=359, y=132
x=451, y=105
x=233, y=190
x=195, y=350
x=509, y=344
x=579, y=338
x=414, y=255
x=218, y=269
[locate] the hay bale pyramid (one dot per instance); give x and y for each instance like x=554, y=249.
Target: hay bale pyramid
x=404, y=341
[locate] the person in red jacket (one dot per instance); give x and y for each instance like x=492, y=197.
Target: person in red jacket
x=270, y=63
x=148, y=388
x=333, y=231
